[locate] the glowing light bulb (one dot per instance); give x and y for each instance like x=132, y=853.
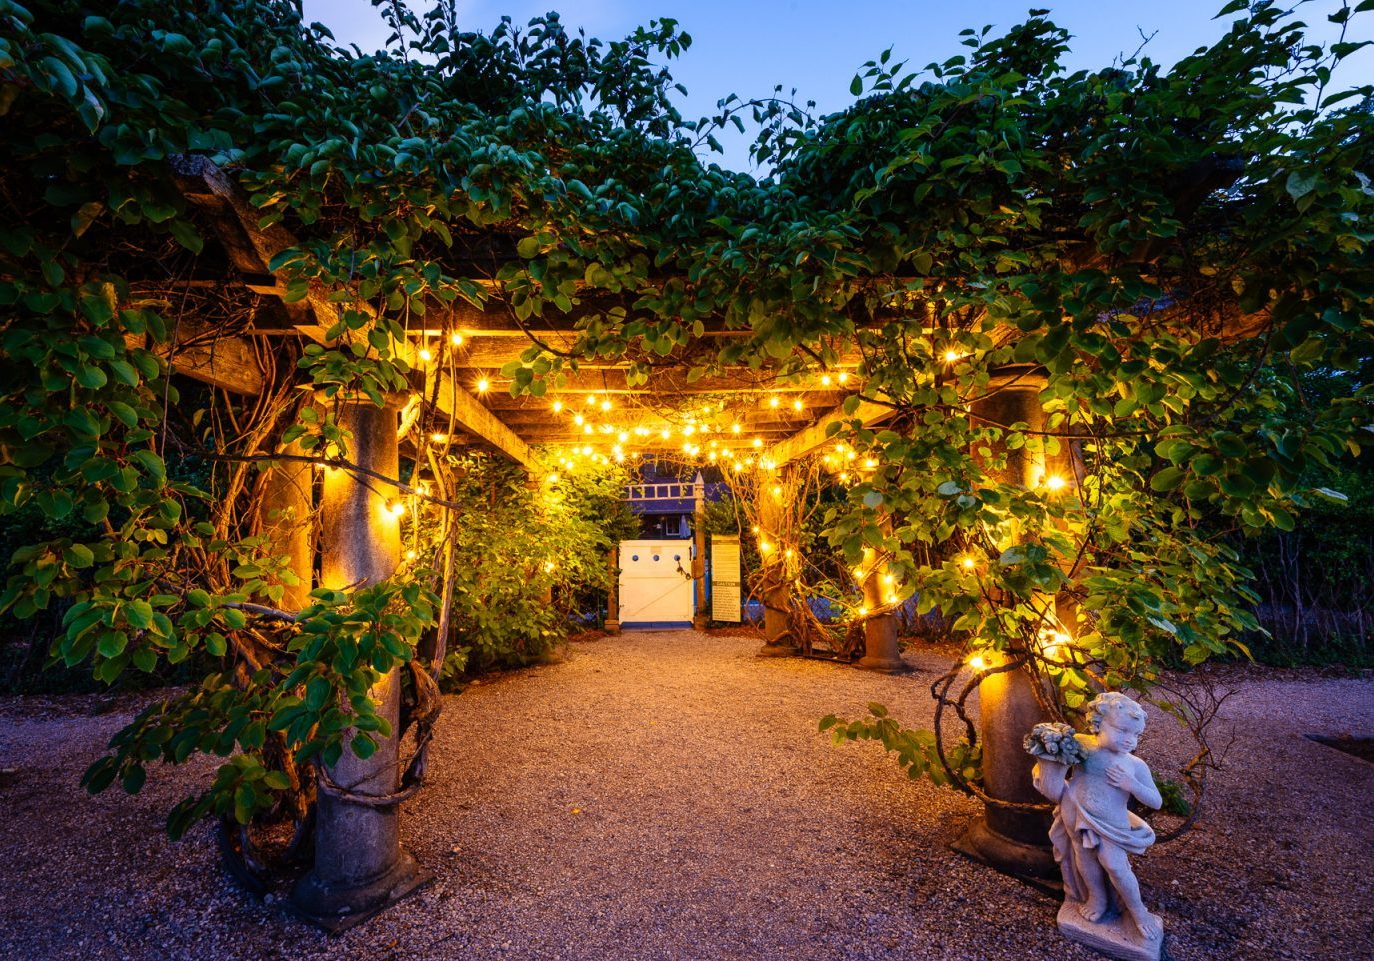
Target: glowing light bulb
x=787, y=553
x=558, y=407
x=623, y=436
x=825, y=380
x=842, y=376
x=439, y=438
x=777, y=491
x=773, y=402
x=483, y=385
x=978, y=662
x=735, y=428
x=844, y=478
x=1054, y=482
x=456, y=340
x=605, y=405
x=410, y=555
x=870, y=463
x=757, y=442
x=579, y=420
x=765, y=547
x=550, y=567
x=951, y=356
x=395, y=508
x=426, y=354
x=863, y=612
x=797, y=405
x=967, y=563
x=587, y=428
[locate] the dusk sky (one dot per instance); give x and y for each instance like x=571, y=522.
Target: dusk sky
x=748, y=46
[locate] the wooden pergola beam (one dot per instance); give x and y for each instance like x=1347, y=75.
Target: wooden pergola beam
x=253, y=247
x=229, y=363
x=817, y=435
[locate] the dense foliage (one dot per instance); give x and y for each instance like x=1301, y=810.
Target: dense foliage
x=1164, y=249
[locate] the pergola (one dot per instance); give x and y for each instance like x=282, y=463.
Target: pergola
x=744, y=417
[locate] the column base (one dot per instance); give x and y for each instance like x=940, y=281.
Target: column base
x=611, y=627
x=1032, y=863
x=883, y=665
x=700, y=621
x=337, y=908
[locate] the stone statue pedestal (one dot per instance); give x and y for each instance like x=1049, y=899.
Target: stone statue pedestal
x=1114, y=935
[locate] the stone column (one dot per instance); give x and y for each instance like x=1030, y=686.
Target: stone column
x=360, y=867
x=881, y=649
x=703, y=613
x=1012, y=841
x=287, y=501
x=613, y=595
x=773, y=528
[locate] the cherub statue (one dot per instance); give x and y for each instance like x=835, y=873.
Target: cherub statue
x=1093, y=832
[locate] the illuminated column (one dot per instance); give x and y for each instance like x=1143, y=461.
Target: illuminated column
x=1011, y=840
x=773, y=527
x=360, y=866
x=287, y=501
x=703, y=614
x=613, y=595
x=881, y=650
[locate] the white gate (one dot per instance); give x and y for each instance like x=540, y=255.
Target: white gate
x=656, y=583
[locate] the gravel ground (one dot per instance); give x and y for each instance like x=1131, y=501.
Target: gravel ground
x=666, y=796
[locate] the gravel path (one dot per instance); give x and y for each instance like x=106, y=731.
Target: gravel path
x=666, y=796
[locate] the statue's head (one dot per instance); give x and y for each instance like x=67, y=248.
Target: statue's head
x=1121, y=714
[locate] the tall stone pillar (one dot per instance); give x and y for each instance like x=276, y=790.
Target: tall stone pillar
x=702, y=614
x=613, y=595
x=360, y=867
x=882, y=652
x=1011, y=840
x=774, y=527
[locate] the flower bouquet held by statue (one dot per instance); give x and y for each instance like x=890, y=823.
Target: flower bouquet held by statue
x=1091, y=778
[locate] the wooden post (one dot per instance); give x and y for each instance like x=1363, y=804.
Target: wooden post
x=1012, y=841
x=360, y=867
x=773, y=526
x=703, y=613
x=882, y=652
x=613, y=595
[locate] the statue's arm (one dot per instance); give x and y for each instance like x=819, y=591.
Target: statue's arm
x=1048, y=778
x=1145, y=791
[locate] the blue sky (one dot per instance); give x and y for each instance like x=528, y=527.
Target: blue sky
x=748, y=46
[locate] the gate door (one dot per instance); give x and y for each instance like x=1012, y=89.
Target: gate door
x=656, y=583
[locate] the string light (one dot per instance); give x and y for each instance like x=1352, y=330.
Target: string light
x=951, y=356
x=978, y=662
x=439, y=438
x=1054, y=482
x=773, y=402
x=842, y=376
x=558, y=407
x=483, y=385
x=456, y=340
x=410, y=555
x=605, y=405
x=395, y=508
x=967, y=563
x=797, y=405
